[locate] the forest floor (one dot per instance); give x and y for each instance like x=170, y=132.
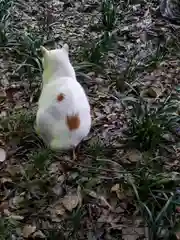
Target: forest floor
x=126, y=183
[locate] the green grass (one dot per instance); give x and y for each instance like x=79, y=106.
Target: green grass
x=96, y=51
x=157, y=199
x=148, y=123
x=41, y=159
x=7, y=228
x=28, y=54
x=99, y=47
x=5, y=7
x=18, y=123
x=108, y=12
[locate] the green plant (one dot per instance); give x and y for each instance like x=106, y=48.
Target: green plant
x=148, y=123
x=157, y=199
x=95, y=52
x=5, y=7
x=18, y=124
x=41, y=158
x=7, y=228
x=108, y=11
x=28, y=50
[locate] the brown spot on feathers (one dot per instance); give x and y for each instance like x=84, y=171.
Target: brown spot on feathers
x=60, y=97
x=73, y=122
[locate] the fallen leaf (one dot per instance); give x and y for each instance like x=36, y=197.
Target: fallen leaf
x=70, y=201
x=58, y=189
x=115, y=188
x=101, y=198
x=28, y=230
x=4, y=180
x=38, y=235
x=134, y=155
x=6, y=212
x=132, y=233
x=3, y=206
x=2, y=155
x=152, y=92
x=59, y=209
x=119, y=191
x=13, y=170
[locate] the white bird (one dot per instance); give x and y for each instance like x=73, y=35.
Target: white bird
x=63, y=118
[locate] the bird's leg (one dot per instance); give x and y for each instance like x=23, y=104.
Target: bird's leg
x=75, y=152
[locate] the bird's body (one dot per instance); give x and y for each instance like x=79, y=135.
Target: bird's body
x=63, y=118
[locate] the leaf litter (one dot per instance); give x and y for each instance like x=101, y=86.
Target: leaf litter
x=103, y=197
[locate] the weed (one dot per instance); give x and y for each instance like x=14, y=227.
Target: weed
x=157, y=56
x=149, y=123
x=108, y=11
x=7, y=228
x=28, y=52
x=41, y=158
x=157, y=200
x=17, y=124
x=5, y=7
x=97, y=49
x=96, y=148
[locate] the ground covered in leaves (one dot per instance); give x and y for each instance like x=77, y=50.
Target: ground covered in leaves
x=125, y=184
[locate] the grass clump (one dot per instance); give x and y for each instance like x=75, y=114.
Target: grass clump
x=28, y=53
x=149, y=123
x=5, y=6
x=41, y=159
x=96, y=50
x=17, y=124
x=7, y=228
x=157, y=200
x=108, y=12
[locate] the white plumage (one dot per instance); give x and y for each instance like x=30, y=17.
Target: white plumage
x=63, y=118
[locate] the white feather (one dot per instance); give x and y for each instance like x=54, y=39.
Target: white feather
x=59, y=78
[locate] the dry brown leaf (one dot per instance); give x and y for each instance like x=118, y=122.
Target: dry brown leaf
x=4, y=180
x=119, y=191
x=134, y=155
x=152, y=92
x=132, y=233
x=38, y=235
x=6, y=212
x=60, y=210
x=70, y=201
x=2, y=155
x=13, y=170
x=58, y=189
x=101, y=198
x=4, y=205
x=115, y=188
x=28, y=230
